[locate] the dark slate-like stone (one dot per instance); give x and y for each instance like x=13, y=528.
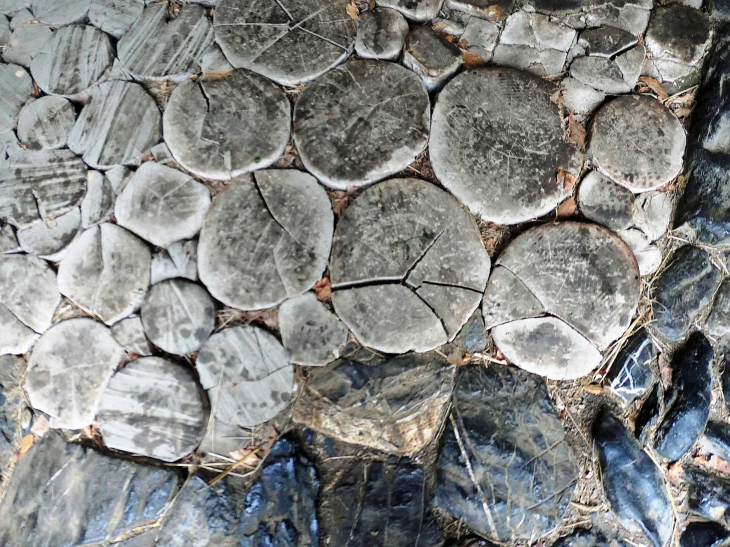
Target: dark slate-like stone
x=497, y=124
x=689, y=409
x=504, y=467
x=26, y=42
x=632, y=482
x=114, y=17
x=712, y=115
x=703, y=534
x=395, y=405
x=279, y=510
x=118, y=124
x=290, y=43
x=223, y=128
x=708, y=495
x=631, y=375
x=202, y=515
x=582, y=538
x=376, y=504
x=473, y=337
x=683, y=291
x=718, y=322
x=72, y=61
x=58, y=13
x=704, y=209
x=160, y=47
x=65, y=494
x=361, y=122
x=12, y=404
x=716, y=440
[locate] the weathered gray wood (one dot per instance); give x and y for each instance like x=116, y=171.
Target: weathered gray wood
x=49, y=238
x=361, y=122
x=394, y=405
x=223, y=128
x=26, y=42
x=381, y=34
x=178, y=260
x=68, y=370
x=581, y=273
x=410, y=324
x=157, y=47
x=153, y=407
x=98, y=202
x=129, y=334
x=46, y=123
x=64, y=493
x=38, y=185
x=311, y=334
x=118, y=124
x=106, y=271
x=72, y=61
x=247, y=374
x=115, y=17
x=407, y=231
x=417, y=10
x=162, y=205
x=496, y=142
x=266, y=35
x=15, y=89
x=547, y=346
x=431, y=56
x=28, y=299
x=637, y=142
x=58, y=13
x=265, y=238
x=178, y=316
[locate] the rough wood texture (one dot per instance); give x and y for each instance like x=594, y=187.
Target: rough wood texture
x=223, y=128
x=72, y=61
x=265, y=35
x=68, y=370
x=247, y=375
x=28, y=299
x=178, y=316
x=106, y=271
x=265, y=238
x=119, y=123
x=115, y=16
x=397, y=240
x=15, y=89
x=153, y=407
x=311, y=334
x=162, y=205
x=637, y=142
x=583, y=276
x=496, y=142
x=50, y=238
x=46, y=123
x=395, y=405
x=157, y=47
x=37, y=185
x=361, y=122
